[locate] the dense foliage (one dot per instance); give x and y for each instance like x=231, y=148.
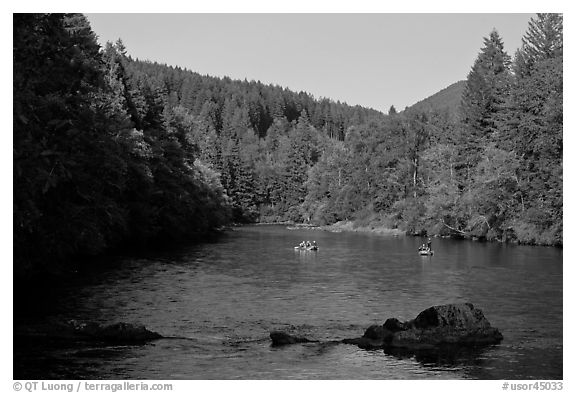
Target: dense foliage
x=261, y=139
x=482, y=158
x=96, y=162
x=108, y=149
x=493, y=171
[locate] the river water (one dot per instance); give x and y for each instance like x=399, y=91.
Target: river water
x=222, y=299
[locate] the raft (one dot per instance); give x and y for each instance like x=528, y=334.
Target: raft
x=426, y=252
x=306, y=248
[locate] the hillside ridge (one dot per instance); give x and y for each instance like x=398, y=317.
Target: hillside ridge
x=447, y=99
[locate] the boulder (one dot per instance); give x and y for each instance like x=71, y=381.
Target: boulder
x=394, y=325
x=450, y=324
x=438, y=326
x=119, y=333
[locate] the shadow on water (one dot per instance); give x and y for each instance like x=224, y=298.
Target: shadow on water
x=62, y=359
x=447, y=356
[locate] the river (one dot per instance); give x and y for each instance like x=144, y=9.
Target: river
x=223, y=298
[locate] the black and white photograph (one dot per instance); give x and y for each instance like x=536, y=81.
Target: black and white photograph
x=286, y=196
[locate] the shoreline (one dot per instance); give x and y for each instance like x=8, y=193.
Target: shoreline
x=349, y=226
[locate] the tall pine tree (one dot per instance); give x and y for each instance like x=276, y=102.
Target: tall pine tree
x=483, y=98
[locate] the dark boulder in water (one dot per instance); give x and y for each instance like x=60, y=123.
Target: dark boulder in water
x=447, y=325
x=450, y=324
x=394, y=325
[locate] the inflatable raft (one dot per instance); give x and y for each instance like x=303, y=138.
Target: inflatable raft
x=313, y=248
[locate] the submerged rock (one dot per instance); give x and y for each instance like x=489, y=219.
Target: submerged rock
x=281, y=338
x=435, y=327
x=121, y=332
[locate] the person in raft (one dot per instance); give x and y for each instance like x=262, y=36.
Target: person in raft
x=429, y=244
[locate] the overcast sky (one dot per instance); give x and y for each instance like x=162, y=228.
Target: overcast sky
x=374, y=60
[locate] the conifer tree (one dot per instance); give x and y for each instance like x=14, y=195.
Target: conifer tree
x=532, y=127
x=484, y=97
x=543, y=40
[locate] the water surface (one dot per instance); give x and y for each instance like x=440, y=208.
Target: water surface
x=223, y=298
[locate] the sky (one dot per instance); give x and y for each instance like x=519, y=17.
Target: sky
x=373, y=60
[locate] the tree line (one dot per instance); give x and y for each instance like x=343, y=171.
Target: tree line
x=491, y=168
x=109, y=149
x=493, y=171
x=96, y=166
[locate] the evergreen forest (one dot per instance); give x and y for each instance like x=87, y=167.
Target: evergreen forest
x=109, y=150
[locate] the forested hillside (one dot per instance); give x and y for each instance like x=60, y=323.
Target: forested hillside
x=446, y=100
x=261, y=139
x=489, y=167
x=109, y=149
